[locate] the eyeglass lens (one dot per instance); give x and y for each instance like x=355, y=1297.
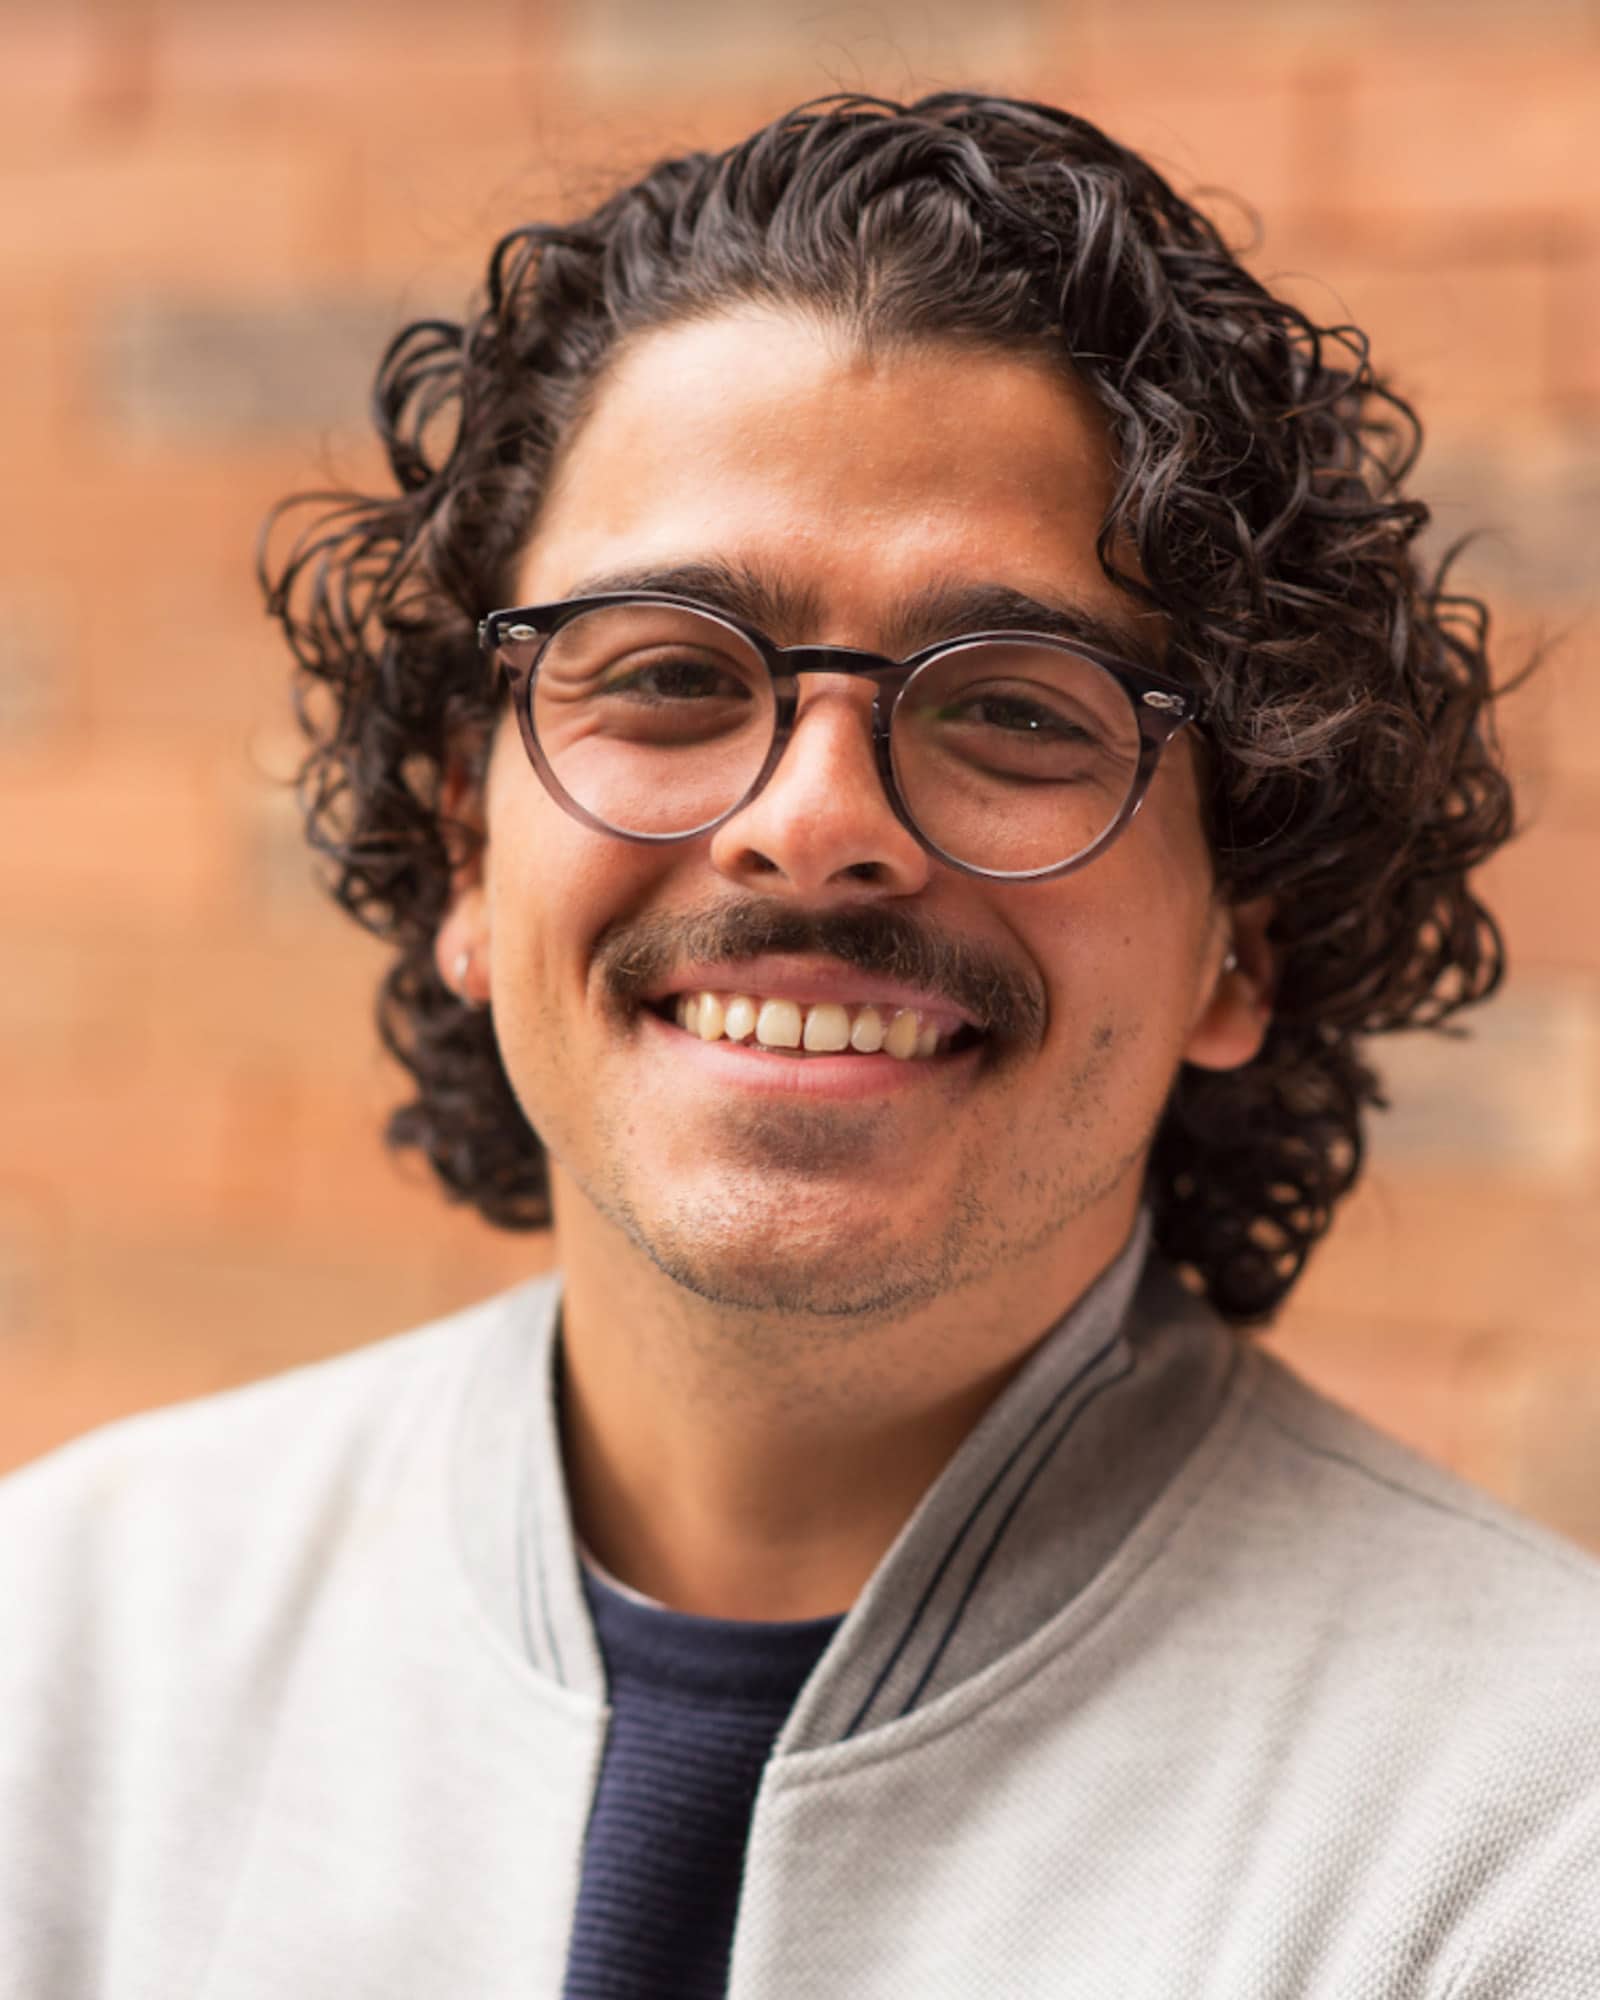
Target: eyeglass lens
x=1010, y=754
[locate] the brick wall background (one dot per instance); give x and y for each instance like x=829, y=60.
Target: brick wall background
x=210, y=217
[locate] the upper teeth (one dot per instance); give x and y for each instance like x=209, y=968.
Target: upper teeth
x=825, y=1028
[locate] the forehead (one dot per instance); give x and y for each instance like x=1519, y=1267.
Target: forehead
x=850, y=478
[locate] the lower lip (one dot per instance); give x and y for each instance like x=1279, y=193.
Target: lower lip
x=838, y=1079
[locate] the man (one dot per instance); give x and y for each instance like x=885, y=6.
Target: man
x=903, y=736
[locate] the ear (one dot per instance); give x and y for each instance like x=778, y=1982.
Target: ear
x=1236, y=1000
x=461, y=943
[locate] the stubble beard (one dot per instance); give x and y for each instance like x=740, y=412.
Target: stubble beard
x=834, y=1268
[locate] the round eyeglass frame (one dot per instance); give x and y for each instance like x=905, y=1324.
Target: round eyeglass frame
x=515, y=639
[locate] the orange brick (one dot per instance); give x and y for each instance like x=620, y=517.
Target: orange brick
x=1497, y=1377
x=1499, y=125
x=107, y=508
x=1517, y=1099
x=167, y=1089
x=1549, y=727
x=152, y=564
x=35, y=384
x=410, y=66
x=162, y=651
x=111, y=1136
x=247, y=998
x=1575, y=329
x=427, y=212
x=1549, y=1417
x=1572, y=700
x=1526, y=720
x=636, y=49
x=1414, y=1382
x=340, y=1181
x=48, y=997
x=1465, y=339
x=128, y=209
x=38, y=691
x=121, y=836
x=476, y=1260
x=1458, y=1252
x=45, y=77
x=1544, y=888
x=157, y=1316
x=30, y=1254
x=1224, y=128
x=79, y=994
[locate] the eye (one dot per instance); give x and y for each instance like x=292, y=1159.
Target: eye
x=682, y=677
x=1014, y=714
x=1025, y=730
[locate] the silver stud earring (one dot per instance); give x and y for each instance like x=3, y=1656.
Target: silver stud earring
x=460, y=973
x=1231, y=962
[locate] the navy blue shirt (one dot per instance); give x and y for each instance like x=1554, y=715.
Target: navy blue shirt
x=696, y=1704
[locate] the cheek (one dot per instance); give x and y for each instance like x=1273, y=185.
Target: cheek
x=1123, y=943
x=535, y=886
x=553, y=887
x=1170, y=885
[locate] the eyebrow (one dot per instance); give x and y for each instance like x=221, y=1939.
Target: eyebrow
x=770, y=604
x=925, y=618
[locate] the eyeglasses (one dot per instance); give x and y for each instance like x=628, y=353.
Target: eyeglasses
x=1010, y=755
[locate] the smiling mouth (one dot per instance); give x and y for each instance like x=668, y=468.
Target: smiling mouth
x=782, y=1027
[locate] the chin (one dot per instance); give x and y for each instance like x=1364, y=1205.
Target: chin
x=802, y=1252
x=792, y=1289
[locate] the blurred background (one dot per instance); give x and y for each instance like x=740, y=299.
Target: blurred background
x=212, y=216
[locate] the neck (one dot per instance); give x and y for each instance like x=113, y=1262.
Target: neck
x=758, y=1466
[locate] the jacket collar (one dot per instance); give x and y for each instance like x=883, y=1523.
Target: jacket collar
x=1073, y=1452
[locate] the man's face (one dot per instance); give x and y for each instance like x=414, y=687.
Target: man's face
x=855, y=488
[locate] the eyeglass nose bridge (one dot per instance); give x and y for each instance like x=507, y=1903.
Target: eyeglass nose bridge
x=886, y=675
x=786, y=664
x=838, y=660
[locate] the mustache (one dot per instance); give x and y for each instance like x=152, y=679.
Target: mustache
x=634, y=957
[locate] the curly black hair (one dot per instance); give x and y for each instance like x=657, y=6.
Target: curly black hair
x=1352, y=770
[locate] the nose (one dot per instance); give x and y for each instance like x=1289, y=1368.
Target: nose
x=823, y=820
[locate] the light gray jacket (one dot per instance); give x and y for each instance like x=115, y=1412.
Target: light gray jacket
x=1181, y=1684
